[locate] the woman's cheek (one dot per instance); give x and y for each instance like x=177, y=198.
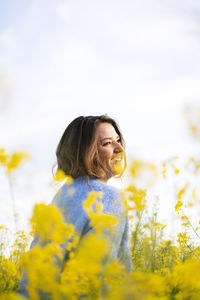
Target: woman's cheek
x=107, y=154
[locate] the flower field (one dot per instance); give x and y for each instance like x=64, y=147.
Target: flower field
x=163, y=267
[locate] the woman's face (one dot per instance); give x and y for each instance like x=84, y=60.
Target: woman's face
x=111, y=151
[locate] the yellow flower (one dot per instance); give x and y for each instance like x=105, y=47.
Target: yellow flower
x=182, y=191
x=185, y=220
x=15, y=159
x=178, y=206
x=182, y=238
x=164, y=170
x=99, y=220
x=48, y=223
x=60, y=176
x=11, y=162
x=176, y=170
x=3, y=157
x=138, y=197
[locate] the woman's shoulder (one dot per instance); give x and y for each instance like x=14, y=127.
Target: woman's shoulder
x=75, y=193
x=101, y=186
x=78, y=189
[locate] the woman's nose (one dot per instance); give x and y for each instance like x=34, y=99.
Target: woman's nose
x=118, y=148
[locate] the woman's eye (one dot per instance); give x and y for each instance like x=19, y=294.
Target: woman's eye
x=107, y=143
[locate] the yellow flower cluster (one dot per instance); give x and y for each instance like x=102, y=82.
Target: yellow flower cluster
x=11, y=253
x=12, y=161
x=48, y=224
x=137, y=197
x=98, y=219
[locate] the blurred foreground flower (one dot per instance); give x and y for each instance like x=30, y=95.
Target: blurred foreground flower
x=12, y=161
x=61, y=176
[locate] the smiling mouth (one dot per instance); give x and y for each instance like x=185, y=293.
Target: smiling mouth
x=117, y=159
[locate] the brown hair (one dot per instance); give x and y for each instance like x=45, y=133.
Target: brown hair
x=77, y=151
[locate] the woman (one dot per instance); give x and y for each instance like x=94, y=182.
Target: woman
x=91, y=150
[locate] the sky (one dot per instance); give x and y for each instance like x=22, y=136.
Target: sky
x=137, y=61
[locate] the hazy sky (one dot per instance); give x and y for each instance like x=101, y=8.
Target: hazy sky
x=138, y=61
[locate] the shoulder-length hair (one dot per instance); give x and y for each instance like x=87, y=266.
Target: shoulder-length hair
x=77, y=152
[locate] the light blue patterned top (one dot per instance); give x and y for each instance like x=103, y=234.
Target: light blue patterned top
x=71, y=206
x=70, y=199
